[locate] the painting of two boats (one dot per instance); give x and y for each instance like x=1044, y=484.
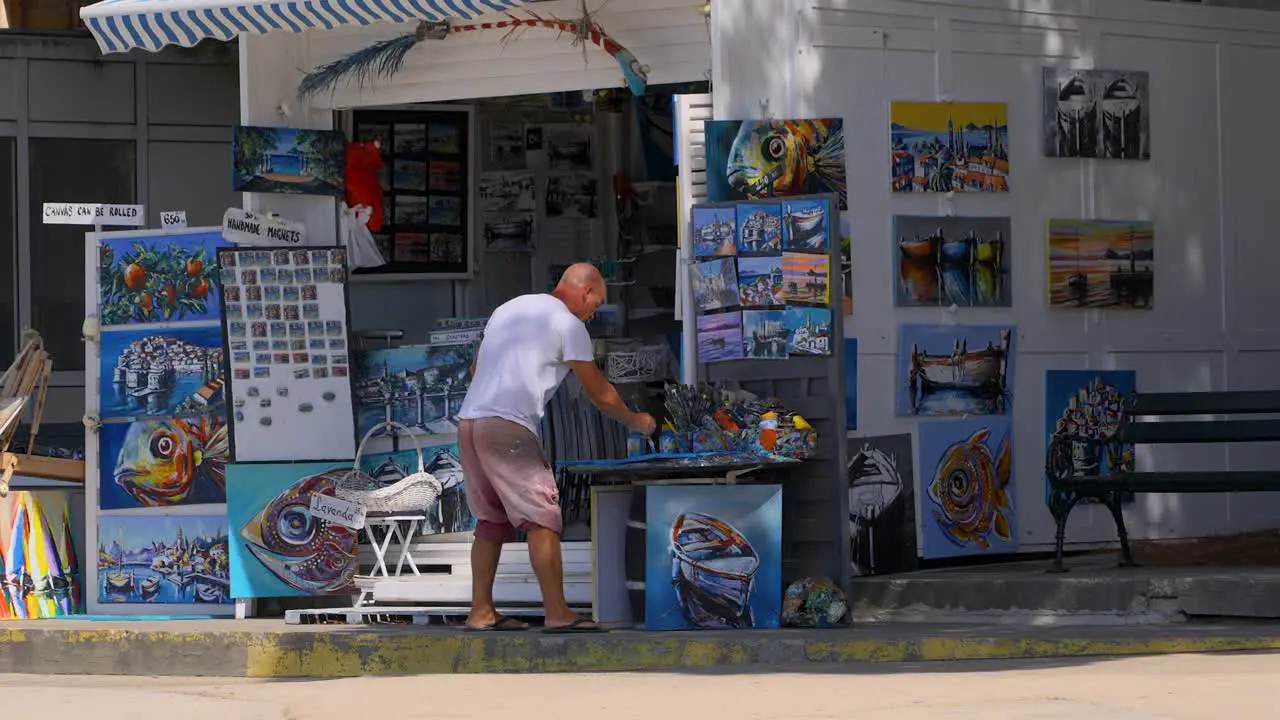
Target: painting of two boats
x=955, y=370
x=1097, y=114
x=946, y=261
x=754, y=159
x=1102, y=263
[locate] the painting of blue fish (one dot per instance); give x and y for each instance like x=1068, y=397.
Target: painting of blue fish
x=147, y=372
x=163, y=559
x=1084, y=406
x=955, y=370
x=713, y=557
x=714, y=232
x=968, y=506
x=278, y=548
x=755, y=159
x=162, y=462
x=160, y=277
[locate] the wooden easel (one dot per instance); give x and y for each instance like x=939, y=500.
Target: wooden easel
x=27, y=379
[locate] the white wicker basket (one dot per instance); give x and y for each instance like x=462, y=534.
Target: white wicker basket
x=417, y=493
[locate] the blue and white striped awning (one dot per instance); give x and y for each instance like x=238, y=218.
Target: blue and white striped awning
x=122, y=25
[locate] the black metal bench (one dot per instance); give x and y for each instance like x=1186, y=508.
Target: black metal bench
x=1068, y=487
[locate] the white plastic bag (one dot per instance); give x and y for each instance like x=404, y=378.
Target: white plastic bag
x=362, y=249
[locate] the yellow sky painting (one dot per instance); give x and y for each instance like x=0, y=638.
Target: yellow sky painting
x=932, y=116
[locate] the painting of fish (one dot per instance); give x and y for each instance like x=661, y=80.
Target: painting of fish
x=162, y=463
x=882, y=505
x=278, y=548
x=969, y=505
x=754, y=159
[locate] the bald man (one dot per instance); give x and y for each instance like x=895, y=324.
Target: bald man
x=529, y=345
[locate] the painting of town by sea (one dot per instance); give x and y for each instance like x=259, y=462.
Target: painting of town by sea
x=759, y=228
x=162, y=462
x=941, y=147
x=713, y=231
x=163, y=559
x=755, y=159
x=808, y=330
x=968, y=506
x=720, y=337
x=159, y=277
x=150, y=372
x=760, y=282
x=288, y=161
x=806, y=278
x=945, y=261
x=1102, y=263
x=418, y=386
x=955, y=370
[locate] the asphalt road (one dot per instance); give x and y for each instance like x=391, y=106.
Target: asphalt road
x=1153, y=688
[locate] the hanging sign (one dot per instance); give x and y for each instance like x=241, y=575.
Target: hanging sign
x=94, y=214
x=337, y=511
x=454, y=337
x=245, y=228
x=173, y=219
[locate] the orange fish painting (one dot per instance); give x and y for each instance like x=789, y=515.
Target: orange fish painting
x=161, y=463
x=970, y=493
x=753, y=159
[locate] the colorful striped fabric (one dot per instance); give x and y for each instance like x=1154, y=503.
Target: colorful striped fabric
x=122, y=25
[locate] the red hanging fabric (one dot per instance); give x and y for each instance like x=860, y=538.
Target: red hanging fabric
x=364, y=163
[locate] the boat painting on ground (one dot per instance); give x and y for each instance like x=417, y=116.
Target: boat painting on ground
x=882, y=505
x=945, y=261
x=162, y=463
x=941, y=147
x=1084, y=406
x=278, y=548
x=807, y=225
x=806, y=278
x=808, y=330
x=1097, y=114
x=715, y=284
x=173, y=372
x=418, y=386
x=713, y=557
x=450, y=514
x=759, y=229
x=764, y=334
x=760, y=282
x=160, y=278
x=40, y=573
x=720, y=337
x=288, y=160
x=1102, y=263
x=713, y=232
x=969, y=506
x=163, y=559
x=955, y=370
x=755, y=159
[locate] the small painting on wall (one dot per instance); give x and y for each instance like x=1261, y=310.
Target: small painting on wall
x=969, y=506
x=764, y=334
x=942, y=147
x=418, y=386
x=754, y=159
x=1097, y=114
x=955, y=370
x=1102, y=263
x=162, y=462
x=1083, y=407
x=161, y=372
x=288, y=161
x=882, y=505
x=163, y=559
x=160, y=277
x=945, y=261
x=715, y=284
x=713, y=232
x=720, y=337
x=760, y=282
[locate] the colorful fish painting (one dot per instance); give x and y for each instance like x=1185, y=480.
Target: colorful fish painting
x=279, y=548
x=752, y=159
x=161, y=463
x=970, y=491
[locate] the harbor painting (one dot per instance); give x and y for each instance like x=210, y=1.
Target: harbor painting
x=806, y=278
x=720, y=337
x=1097, y=114
x=764, y=334
x=713, y=557
x=945, y=261
x=160, y=277
x=418, y=386
x=955, y=370
x=1084, y=407
x=808, y=331
x=450, y=514
x=288, y=161
x=759, y=228
x=807, y=225
x=942, y=147
x=278, y=548
x=882, y=505
x=1102, y=263
x=168, y=559
x=173, y=372
x=713, y=232
x=162, y=462
x=756, y=159
x=715, y=284
x=760, y=282
x=969, y=506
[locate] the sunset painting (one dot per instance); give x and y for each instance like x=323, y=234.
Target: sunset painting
x=1102, y=263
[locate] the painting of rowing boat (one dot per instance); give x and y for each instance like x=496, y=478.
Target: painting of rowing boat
x=946, y=261
x=720, y=337
x=955, y=370
x=1102, y=263
x=1097, y=114
x=163, y=559
x=713, y=232
x=969, y=506
x=1083, y=407
x=807, y=225
x=755, y=159
x=713, y=557
x=942, y=147
x=882, y=505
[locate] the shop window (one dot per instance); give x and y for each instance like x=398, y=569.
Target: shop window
x=8, y=255
x=63, y=170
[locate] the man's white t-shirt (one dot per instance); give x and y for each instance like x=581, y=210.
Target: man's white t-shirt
x=524, y=355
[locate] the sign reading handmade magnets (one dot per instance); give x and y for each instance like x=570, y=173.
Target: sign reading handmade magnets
x=245, y=228
x=337, y=511
x=94, y=214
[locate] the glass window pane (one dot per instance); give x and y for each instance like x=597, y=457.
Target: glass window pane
x=8, y=254
x=63, y=170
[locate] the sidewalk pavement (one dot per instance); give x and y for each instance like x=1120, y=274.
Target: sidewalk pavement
x=271, y=649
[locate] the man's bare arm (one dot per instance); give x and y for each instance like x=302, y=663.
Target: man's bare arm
x=605, y=396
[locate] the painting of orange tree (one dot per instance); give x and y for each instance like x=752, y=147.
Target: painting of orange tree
x=160, y=278
x=1102, y=263
x=288, y=161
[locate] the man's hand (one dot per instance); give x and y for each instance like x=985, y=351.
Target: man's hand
x=642, y=423
x=605, y=397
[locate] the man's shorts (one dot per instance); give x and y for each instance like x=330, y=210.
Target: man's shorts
x=509, y=482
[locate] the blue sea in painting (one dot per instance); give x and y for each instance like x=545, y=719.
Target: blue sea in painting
x=967, y=502
x=713, y=231
x=160, y=372
x=808, y=331
x=955, y=370
x=174, y=559
x=759, y=228
x=418, y=386
x=806, y=225
x=724, y=569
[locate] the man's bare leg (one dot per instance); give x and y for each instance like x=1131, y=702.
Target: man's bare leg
x=484, y=569
x=548, y=564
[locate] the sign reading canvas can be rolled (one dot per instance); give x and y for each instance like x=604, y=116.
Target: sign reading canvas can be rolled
x=94, y=214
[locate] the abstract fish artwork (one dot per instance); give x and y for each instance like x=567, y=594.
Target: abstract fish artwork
x=882, y=512
x=163, y=462
x=969, y=505
x=754, y=159
x=278, y=548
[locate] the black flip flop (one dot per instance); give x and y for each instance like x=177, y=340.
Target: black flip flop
x=503, y=623
x=579, y=626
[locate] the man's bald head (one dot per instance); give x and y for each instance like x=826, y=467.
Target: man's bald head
x=582, y=289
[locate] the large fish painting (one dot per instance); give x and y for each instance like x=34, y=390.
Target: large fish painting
x=969, y=507
x=278, y=548
x=882, y=506
x=753, y=159
x=162, y=463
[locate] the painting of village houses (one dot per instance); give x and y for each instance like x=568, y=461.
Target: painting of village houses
x=945, y=261
x=418, y=386
x=715, y=284
x=1102, y=263
x=808, y=331
x=161, y=372
x=760, y=282
x=450, y=513
x=713, y=231
x=759, y=229
x=163, y=559
x=949, y=147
